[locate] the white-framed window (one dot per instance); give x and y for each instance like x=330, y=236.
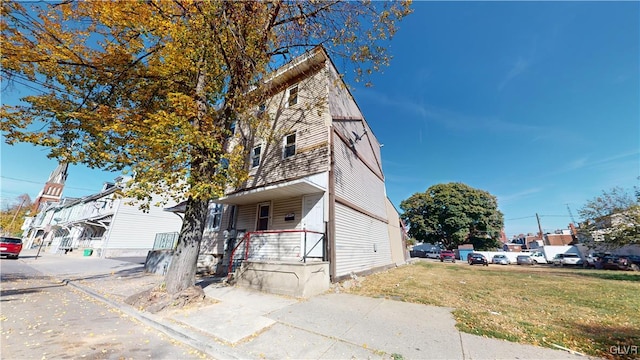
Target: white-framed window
x=289, y=145
x=214, y=217
x=256, y=152
x=264, y=211
x=292, y=95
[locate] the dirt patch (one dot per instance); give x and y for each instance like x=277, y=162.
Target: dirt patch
x=157, y=299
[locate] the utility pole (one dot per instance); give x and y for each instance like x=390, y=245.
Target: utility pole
x=16, y=214
x=540, y=229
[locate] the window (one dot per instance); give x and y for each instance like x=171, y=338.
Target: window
x=215, y=216
x=255, y=156
x=293, y=96
x=232, y=128
x=263, y=217
x=289, y=144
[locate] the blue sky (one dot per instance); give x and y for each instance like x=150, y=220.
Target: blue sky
x=536, y=102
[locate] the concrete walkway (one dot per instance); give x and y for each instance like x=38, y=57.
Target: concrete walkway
x=245, y=324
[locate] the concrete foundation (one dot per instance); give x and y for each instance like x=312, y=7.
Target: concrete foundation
x=292, y=279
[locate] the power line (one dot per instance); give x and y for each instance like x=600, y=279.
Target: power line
x=42, y=183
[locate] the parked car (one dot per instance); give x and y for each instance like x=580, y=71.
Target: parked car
x=419, y=250
x=538, y=258
x=433, y=253
x=447, y=255
x=475, y=258
x=10, y=246
x=524, y=260
x=567, y=259
x=500, y=259
x=615, y=262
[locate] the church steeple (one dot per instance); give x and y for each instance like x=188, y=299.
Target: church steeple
x=52, y=191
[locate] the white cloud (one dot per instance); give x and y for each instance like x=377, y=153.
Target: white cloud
x=518, y=68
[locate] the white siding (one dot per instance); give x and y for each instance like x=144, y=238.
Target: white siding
x=361, y=242
x=133, y=229
x=367, y=147
x=355, y=183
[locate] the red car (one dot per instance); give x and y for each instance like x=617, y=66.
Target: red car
x=10, y=246
x=447, y=255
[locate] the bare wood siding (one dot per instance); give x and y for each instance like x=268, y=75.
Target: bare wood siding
x=355, y=183
x=133, y=229
x=361, y=242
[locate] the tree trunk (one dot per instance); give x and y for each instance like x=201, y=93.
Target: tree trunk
x=182, y=271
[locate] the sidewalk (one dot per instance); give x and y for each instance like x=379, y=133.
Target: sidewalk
x=246, y=324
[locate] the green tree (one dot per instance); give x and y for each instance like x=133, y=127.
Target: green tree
x=12, y=217
x=453, y=214
x=613, y=218
x=154, y=87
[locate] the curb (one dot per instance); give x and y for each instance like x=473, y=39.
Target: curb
x=205, y=344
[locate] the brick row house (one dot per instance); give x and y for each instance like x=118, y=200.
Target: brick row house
x=314, y=209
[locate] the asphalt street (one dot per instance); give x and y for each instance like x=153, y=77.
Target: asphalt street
x=45, y=319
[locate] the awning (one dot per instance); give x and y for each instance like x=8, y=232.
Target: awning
x=287, y=189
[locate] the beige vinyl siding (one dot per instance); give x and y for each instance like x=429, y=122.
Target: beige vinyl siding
x=247, y=217
x=213, y=241
x=357, y=184
x=283, y=207
x=341, y=103
x=278, y=246
x=133, y=229
x=309, y=120
x=361, y=242
x=398, y=247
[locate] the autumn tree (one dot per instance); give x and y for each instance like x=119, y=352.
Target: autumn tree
x=454, y=214
x=153, y=87
x=612, y=218
x=12, y=217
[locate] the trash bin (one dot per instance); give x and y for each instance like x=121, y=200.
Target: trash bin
x=88, y=252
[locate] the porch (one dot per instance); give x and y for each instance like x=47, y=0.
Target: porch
x=286, y=262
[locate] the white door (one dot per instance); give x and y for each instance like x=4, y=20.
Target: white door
x=313, y=219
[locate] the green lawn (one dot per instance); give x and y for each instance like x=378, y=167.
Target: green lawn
x=584, y=310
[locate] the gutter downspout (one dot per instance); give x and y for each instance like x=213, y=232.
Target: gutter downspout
x=331, y=225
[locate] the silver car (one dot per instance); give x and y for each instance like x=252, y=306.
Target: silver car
x=500, y=259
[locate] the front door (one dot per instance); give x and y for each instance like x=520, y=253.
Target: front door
x=313, y=219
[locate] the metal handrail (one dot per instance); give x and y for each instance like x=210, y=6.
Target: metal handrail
x=247, y=237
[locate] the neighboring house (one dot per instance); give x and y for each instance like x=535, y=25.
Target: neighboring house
x=102, y=222
x=314, y=209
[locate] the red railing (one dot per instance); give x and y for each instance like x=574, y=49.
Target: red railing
x=246, y=240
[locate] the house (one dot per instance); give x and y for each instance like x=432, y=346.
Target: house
x=314, y=209
x=105, y=223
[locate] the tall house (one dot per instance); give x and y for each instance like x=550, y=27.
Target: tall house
x=52, y=191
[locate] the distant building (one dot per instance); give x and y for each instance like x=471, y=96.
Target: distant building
x=52, y=190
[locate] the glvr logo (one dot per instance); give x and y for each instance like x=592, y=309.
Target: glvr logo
x=624, y=349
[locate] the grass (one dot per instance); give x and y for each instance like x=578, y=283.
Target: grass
x=588, y=311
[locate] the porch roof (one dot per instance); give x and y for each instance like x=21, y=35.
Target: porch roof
x=287, y=189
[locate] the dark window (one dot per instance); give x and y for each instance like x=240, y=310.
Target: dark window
x=214, y=218
x=289, y=145
x=255, y=156
x=263, y=217
x=293, y=96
